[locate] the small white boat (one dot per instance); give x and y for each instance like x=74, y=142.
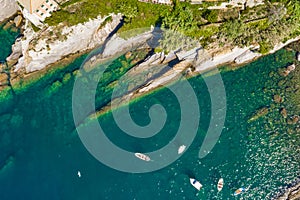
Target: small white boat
x=142, y=156
x=220, y=184
x=196, y=183
x=79, y=174
x=181, y=149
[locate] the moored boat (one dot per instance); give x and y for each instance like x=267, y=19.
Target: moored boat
x=241, y=190
x=142, y=156
x=196, y=183
x=181, y=149
x=220, y=184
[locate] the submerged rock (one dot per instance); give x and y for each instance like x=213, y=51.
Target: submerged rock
x=288, y=70
x=291, y=67
x=3, y=79
x=281, y=83
x=294, y=119
x=277, y=98
x=283, y=112
x=7, y=163
x=128, y=55
x=259, y=113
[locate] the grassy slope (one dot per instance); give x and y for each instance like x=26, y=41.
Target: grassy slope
x=265, y=25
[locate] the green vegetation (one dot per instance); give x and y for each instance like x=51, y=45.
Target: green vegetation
x=275, y=24
x=136, y=14
x=35, y=29
x=266, y=25
x=106, y=20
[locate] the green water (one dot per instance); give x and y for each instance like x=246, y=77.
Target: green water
x=8, y=35
x=41, y=151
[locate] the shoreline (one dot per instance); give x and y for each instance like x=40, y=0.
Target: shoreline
x=236, y=57
x=207, y=66
x=215, y=59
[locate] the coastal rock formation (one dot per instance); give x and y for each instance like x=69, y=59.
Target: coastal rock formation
x=190, y=55
x=8, y=8
x=227, y=55
x=292, y=193
x=281, y=45
x=246, y=56
x=156, y=70
x=16, y=53
x=51, y=44
x=117, y=45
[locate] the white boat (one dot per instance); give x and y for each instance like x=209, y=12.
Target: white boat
x=196, y=183
x=79, y=174
x=220, y=184
x=142, y=156
x=181, y=149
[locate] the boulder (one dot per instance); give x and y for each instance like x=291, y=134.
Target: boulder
x=171, y=56
x=291, y=67
x=188, y=55
x=283, y=112
x=16, y=51
x=259, y=113
x=8, y=8
x=18, y=20
x=277, y=98
x=246, y=57
x=3, y=79
x=128, y=55
x=288, y=70
x=295, y=119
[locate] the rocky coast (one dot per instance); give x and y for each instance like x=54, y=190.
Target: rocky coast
x=35, y=52
x=8, y=8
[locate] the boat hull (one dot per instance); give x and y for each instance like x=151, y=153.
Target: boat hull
x=220, y=184
x=142, y=157
x=195, y=183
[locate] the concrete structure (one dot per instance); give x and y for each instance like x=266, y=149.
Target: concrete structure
x=37, y=10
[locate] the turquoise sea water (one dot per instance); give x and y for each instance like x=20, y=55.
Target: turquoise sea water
x=41, y=151
x=8, y=36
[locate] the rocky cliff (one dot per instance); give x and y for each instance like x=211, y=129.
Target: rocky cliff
x=8, y=8
x=36, y=50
